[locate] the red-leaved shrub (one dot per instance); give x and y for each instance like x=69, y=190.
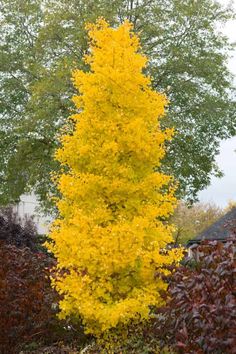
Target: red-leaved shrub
x=17, y=231
x=26, y=297
x=200, y=317
x=28, y=304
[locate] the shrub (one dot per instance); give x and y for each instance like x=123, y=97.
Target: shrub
x=201, y=314
x=28, y=304
x=21, y=233
x=25, y=296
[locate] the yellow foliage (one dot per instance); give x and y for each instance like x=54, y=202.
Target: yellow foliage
x=110, y=234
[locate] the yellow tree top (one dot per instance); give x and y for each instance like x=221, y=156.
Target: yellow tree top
x=110, y=235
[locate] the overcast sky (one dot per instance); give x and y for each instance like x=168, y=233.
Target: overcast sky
x=222, y=190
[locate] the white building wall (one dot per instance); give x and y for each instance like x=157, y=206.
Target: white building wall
x=27, y=207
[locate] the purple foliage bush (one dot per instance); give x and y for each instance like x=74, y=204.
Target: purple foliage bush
x=200, y=315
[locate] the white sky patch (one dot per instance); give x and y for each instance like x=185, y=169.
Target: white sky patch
x=222, y=190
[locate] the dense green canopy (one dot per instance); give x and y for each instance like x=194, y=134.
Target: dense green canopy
x=42, y=41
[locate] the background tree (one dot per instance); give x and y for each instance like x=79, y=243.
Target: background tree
x=190, y=221
x=43, y=40
x=110, y=238
x=20, y=23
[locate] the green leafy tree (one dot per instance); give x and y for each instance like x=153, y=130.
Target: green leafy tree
x=43, y=41
x=190, y=221
x=20, y=23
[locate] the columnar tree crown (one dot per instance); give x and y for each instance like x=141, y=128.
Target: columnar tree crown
x=111, y=233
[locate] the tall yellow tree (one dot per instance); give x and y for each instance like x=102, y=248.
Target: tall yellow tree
x=110, y=236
